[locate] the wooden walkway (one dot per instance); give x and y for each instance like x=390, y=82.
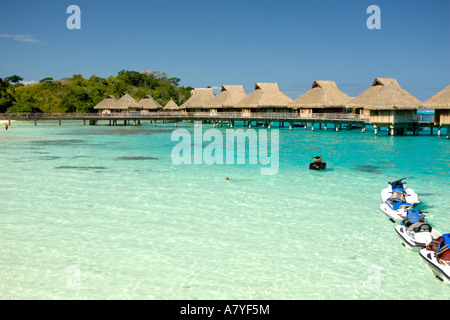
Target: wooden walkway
x=293, y=119
x=234, y=116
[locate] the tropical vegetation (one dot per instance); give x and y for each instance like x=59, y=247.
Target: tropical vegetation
x=77, y=94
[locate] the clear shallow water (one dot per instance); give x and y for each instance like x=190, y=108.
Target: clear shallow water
x=106, y=205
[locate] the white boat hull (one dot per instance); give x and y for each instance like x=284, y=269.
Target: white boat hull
x=393, y=215
x=441, y=271
x=410, y=196
x=416, y=240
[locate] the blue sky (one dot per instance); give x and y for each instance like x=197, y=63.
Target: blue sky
x=215, y=42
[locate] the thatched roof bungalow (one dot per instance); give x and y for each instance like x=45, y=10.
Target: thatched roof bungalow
x=171, y=106
x=386, y=103
x=128, y=103
x=148, y=104
x=107, y=105
x=266, y=97
x=323, y=97
x=440, y=102
x=200, y=100
x=228, y=97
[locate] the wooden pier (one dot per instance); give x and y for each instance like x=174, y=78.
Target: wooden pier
x=337, y=120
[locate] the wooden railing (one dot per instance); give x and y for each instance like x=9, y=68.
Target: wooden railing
x=266, y=116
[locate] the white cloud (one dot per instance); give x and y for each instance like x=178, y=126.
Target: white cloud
x=25, y=83
x=20, y=37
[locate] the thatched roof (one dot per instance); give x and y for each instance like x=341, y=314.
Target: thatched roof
x=126, y=102
x=440, y=100
x=265, y=95
x=323, y=94
x=110, y=102
x=171, y=105
x=148, y=103
x=200, y=98
x=229, y=96
x=385, y=94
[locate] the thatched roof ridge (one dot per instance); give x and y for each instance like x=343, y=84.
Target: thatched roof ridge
x=110, y=102
x=323, y=94
x=127, y=101
x=265, y=95
x=385, y=94
x=200, y=98
x=229, y=96
x=171, y=105
x=148, y=103
x=440, y=100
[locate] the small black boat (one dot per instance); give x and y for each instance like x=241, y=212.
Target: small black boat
x=317, y=164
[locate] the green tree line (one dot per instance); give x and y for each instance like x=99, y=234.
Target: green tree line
x=77, y=94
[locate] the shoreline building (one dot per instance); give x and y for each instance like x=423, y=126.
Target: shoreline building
x=171, y=106
x=266, y=97
x=387, y=105
x=200, y=100
x=148, y=104
x=440, y=102
x=323, y=97
x=107, y=105
x=227, y=99
x=128, y=104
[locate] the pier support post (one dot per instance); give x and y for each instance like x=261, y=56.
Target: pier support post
x=431, y=131
x=59, y=121
x=439, y=131
x=392, y=130
x=35, y=122
x=375, y=130
x=154, y=123
x=336, y=127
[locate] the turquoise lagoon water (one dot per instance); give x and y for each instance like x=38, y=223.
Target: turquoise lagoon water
x=101, y=212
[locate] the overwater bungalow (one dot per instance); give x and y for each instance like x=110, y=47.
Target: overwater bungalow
x=171, y=106
x=128, y=104
x=227, y=99
x=107, y=105
x=440, y=102
x=323, y=97
x=148, y=104
x=387, y=104
x=200, y=100
x=266, y=97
